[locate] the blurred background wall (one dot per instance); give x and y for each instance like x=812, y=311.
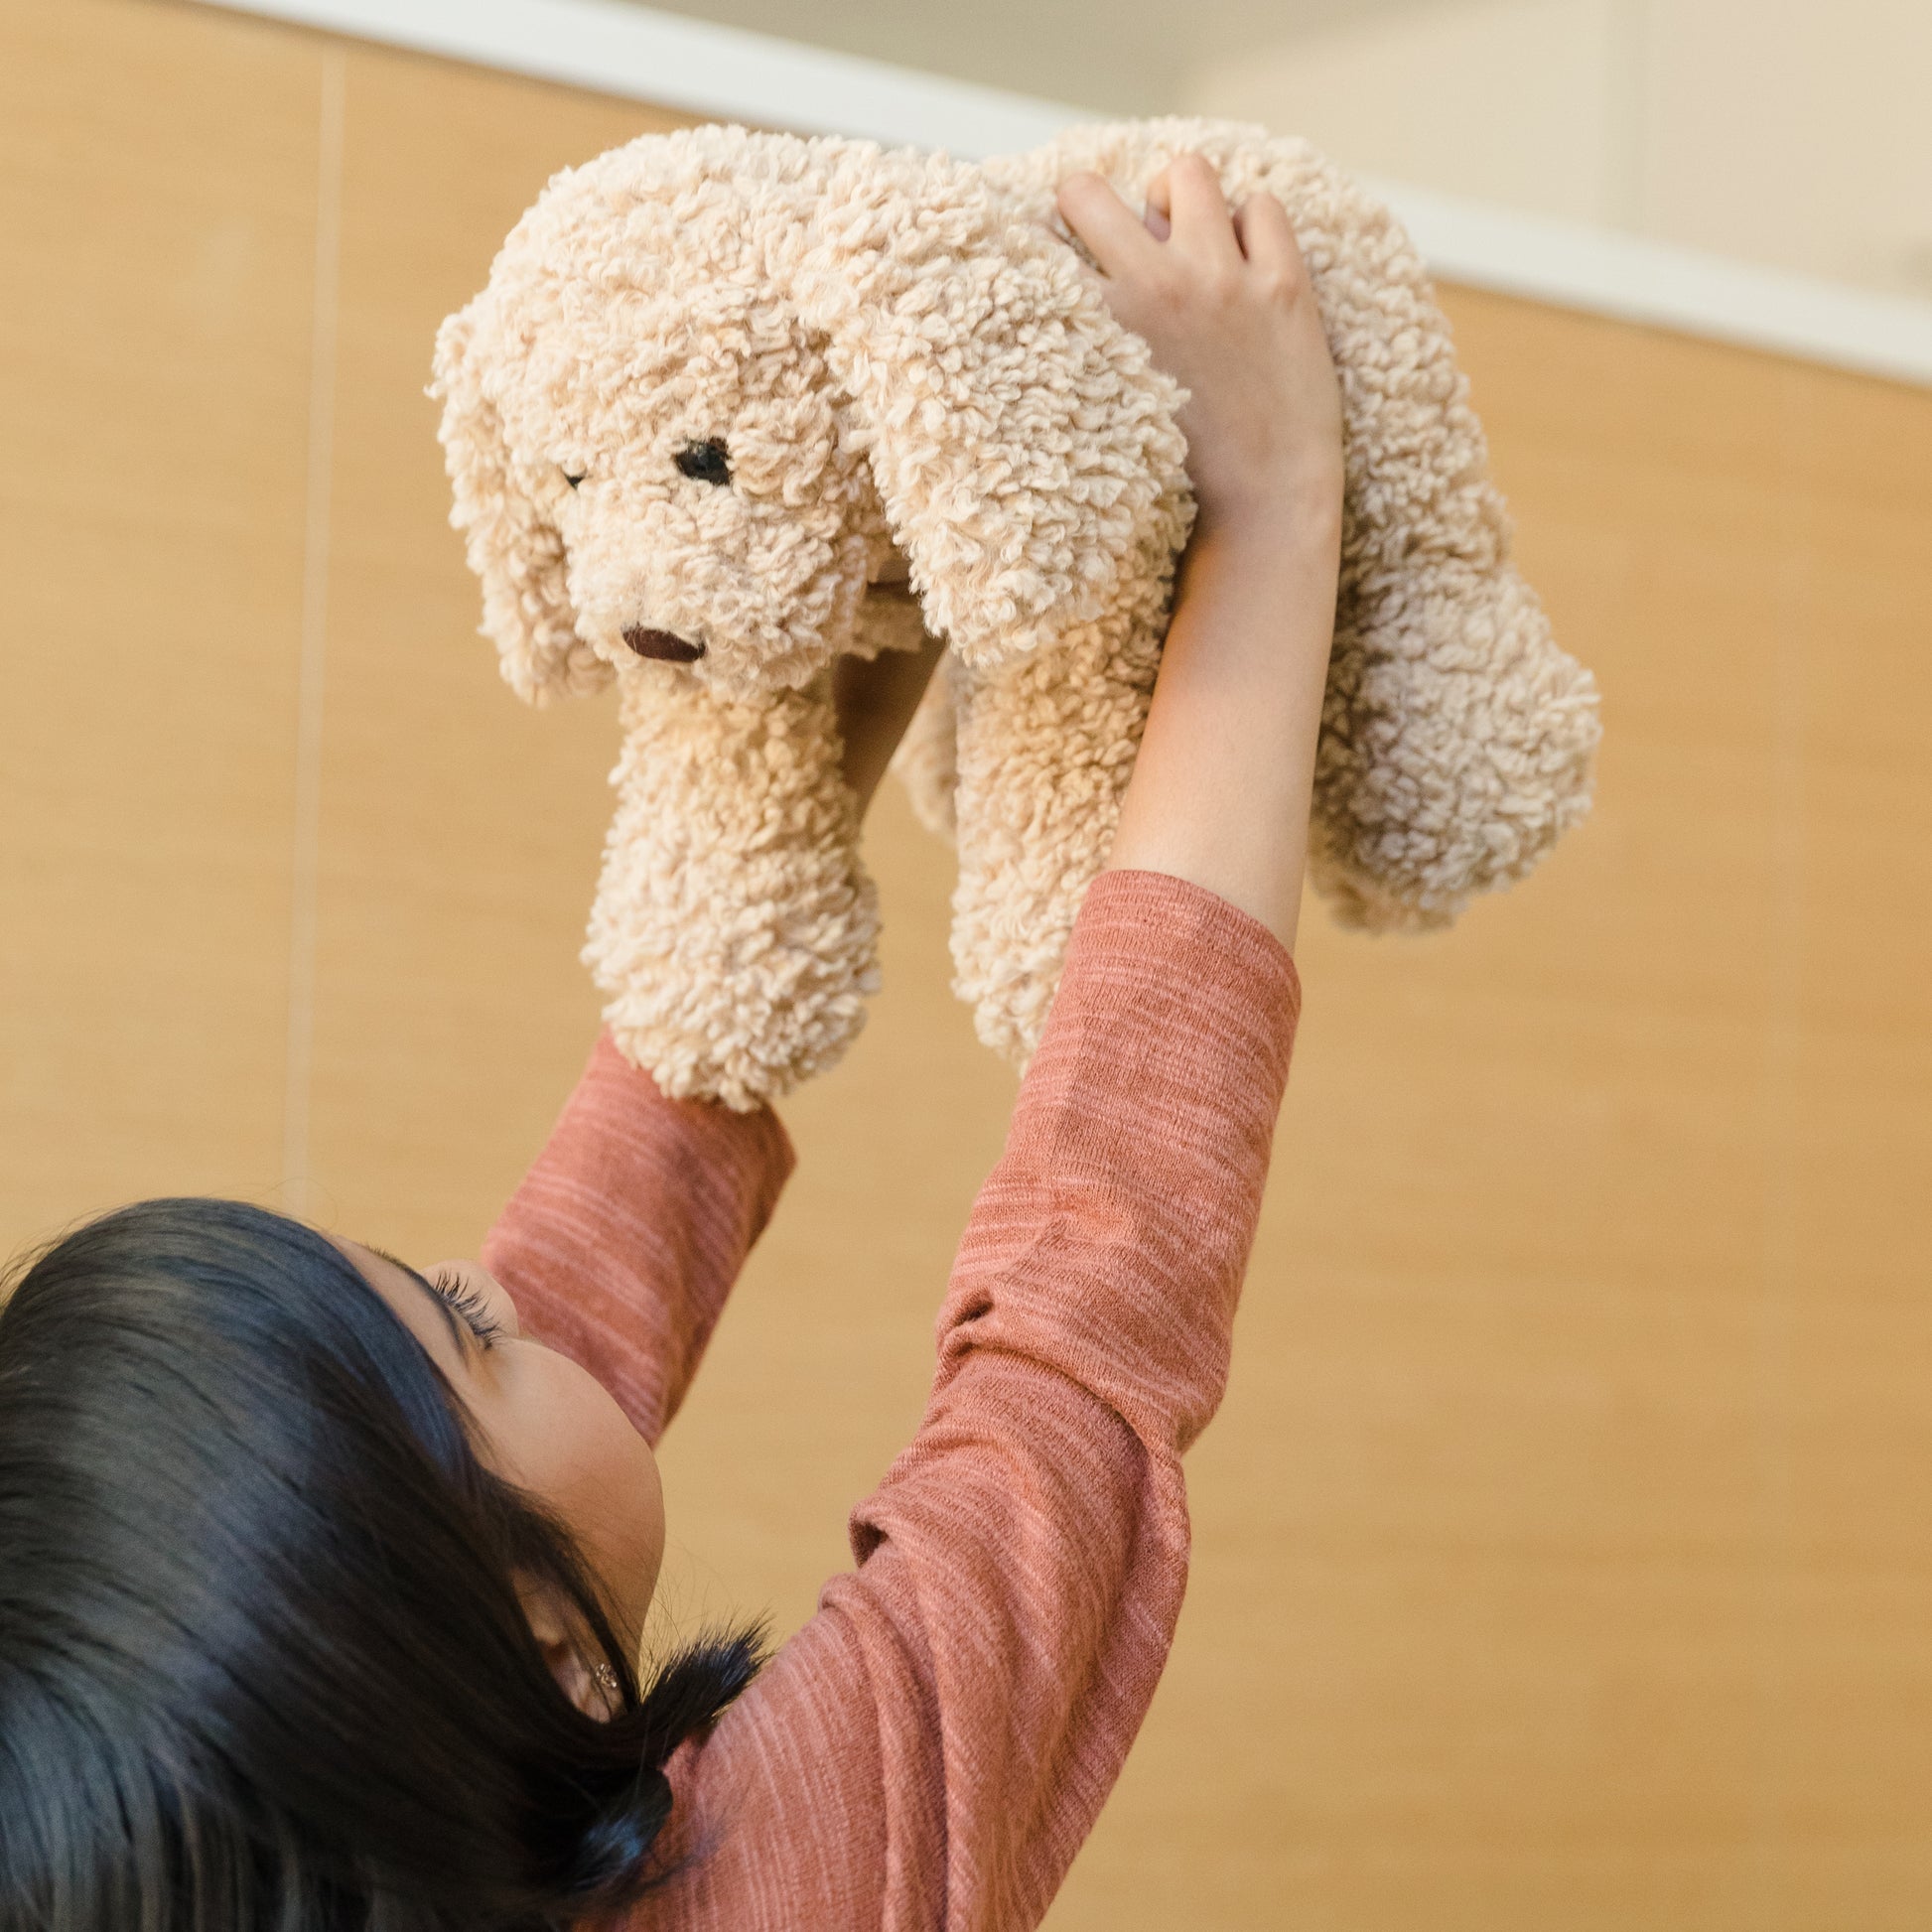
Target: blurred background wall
x=1790, y=132
x=1783, y=131
x=1562, y=1552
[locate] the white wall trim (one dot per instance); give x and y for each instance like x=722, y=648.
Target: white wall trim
x=727, y=73
x=722, y=73
x=1635, y=279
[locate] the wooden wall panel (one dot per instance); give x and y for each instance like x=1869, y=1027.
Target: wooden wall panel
x=1561, y=1559
x=460, y=831
x=1565, y=1516
x=157, y=220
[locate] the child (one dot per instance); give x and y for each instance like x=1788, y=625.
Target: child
x=321, y=1579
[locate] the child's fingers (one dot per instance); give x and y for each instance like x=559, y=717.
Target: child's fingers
x=1113, y=234
x=1200, y=213
x=1160, y=206
x=1267, y=236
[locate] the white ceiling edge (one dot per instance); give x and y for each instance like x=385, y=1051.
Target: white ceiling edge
x=726, y=73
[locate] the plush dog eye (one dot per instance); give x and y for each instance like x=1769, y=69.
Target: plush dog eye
x=707, y=462
x=576, y=479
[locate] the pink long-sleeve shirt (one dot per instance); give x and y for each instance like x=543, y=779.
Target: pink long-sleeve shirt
x=933, y=1747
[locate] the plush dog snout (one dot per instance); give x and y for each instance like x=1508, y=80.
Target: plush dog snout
x=666, y=644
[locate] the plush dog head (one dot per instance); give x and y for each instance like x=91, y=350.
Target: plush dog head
x=717, y=378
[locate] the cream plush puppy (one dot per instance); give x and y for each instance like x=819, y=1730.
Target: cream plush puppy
x=735, y=404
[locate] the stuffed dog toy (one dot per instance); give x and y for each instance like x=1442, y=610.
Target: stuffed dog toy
x=733, y=405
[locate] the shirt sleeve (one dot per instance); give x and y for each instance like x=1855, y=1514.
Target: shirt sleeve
x=623, y=1239
x=934, y=1746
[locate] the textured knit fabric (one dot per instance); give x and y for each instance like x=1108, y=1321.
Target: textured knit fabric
x=933, y=1747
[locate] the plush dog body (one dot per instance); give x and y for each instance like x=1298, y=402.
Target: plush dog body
x=723, y=388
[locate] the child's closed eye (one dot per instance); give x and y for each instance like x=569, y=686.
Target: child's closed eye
x=467, y=1301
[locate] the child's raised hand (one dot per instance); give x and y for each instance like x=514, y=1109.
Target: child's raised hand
x=1225, y=301
x=1222, y=781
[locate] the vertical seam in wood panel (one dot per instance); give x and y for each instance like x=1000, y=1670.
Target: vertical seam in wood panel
x=315, y=633
x=1778, y=1287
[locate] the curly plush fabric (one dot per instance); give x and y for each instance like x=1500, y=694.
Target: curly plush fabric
x=1457, y=739
x=720, y=384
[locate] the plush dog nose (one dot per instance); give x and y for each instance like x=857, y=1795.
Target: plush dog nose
x=666, y=644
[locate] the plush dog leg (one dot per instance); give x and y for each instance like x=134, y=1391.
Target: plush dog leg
x=734, y=929
x=1456, y=742
x=1045, y=746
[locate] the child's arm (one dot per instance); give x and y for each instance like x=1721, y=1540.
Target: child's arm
x=624, y=1238
x=1221, y=789
x=935, y=1744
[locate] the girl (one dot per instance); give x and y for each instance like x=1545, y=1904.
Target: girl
x=321, y=1579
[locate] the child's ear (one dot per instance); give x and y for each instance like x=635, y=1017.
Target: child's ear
x=565, y=1651
x=513, y=547
x=1021, y=440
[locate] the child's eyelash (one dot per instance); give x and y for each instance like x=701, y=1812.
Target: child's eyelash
x=470, y=1307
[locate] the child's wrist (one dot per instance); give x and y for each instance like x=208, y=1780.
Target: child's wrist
x=1296, y=511
x=1262, y=590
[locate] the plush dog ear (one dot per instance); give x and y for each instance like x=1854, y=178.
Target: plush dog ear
x=513, y=546
x=1021, y=440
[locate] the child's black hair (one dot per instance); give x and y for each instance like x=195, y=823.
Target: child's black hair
x=263, y=1663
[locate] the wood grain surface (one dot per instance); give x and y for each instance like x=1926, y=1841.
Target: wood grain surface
x=1562, y=1553
x=157, y=202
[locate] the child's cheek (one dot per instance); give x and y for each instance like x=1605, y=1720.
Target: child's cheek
x=572, y=1444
